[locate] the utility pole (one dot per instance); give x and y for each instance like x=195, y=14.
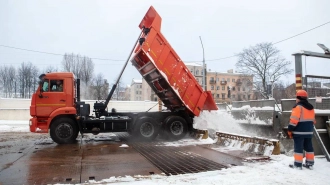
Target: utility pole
x=204, y=71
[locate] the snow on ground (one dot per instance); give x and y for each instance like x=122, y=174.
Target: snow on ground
x=261, y=173
x=275, y=171
x=14, y=126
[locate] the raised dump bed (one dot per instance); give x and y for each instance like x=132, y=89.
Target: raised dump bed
x=165, y=72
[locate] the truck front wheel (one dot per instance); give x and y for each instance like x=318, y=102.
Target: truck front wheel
x=175, y=127
x=64, y=131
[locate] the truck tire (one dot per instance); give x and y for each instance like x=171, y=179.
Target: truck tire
x=146, y=129
x=64, y=131
x=175, y=127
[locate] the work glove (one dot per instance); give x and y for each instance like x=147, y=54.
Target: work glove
x=290, y=134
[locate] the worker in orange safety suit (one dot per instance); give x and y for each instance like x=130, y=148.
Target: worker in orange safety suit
x=301, y=128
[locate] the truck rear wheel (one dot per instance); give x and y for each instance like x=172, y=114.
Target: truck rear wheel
x=175, y=127
x=64, y=131
x=146, y=129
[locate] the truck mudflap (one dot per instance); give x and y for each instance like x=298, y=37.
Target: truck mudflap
x=165, y=72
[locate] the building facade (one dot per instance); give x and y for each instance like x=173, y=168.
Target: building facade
x=229, y=86
x=196, y=70
x=136, y=90
x=139, y=90
x=224, y=86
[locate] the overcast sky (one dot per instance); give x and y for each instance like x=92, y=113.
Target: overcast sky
x=108, y=29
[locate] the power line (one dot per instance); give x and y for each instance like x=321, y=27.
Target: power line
x=276, y=42
x=301, y=33
x=49, y=53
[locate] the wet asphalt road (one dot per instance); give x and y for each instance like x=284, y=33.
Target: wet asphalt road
x=30, y=158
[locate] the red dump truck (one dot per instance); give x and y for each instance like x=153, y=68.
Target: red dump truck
x=61, y=112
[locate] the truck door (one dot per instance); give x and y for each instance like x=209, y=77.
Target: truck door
x=52, y=97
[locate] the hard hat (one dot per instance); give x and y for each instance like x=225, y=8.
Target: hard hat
x=302, y=93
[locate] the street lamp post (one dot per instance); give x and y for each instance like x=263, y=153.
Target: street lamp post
x=203, y=81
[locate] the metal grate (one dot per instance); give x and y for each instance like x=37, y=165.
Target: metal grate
x=174, y=161
x=318, y=86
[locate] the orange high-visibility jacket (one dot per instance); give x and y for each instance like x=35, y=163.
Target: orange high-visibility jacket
x=302, y=120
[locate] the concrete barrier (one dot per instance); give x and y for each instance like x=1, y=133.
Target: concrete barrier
x=254, y=112
x=19, y=109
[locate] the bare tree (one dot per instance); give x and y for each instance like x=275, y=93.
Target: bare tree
x=99, y=87
x=290, y=90
x=8, y=75
x=82, y=67
x=12, y=81
x=50, y=69
x=119, y=93
x=87, y=70
x=264, y=62
x=27, y=76
x=4, y=80
x=71, y=63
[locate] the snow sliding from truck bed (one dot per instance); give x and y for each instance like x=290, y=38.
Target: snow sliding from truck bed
x=218, y=121
x=222, y=121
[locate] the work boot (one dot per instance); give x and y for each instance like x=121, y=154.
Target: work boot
x=295, y=167
x=308, y=166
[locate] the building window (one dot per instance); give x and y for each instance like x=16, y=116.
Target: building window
x=228, y=88
x=233, y=80
x=228, y=79
x=243, y=96
x=223, y=96
x=137, y=92
x=233, y=88
x=197, y=72
x=192, y=72
x=218, y=87
x=218, y=96
x=217, y=79
x=223, y=88
x=212, y=87
x=223, y=79
x=249, y=97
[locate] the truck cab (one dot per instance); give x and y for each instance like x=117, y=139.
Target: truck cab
x=54, y=97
